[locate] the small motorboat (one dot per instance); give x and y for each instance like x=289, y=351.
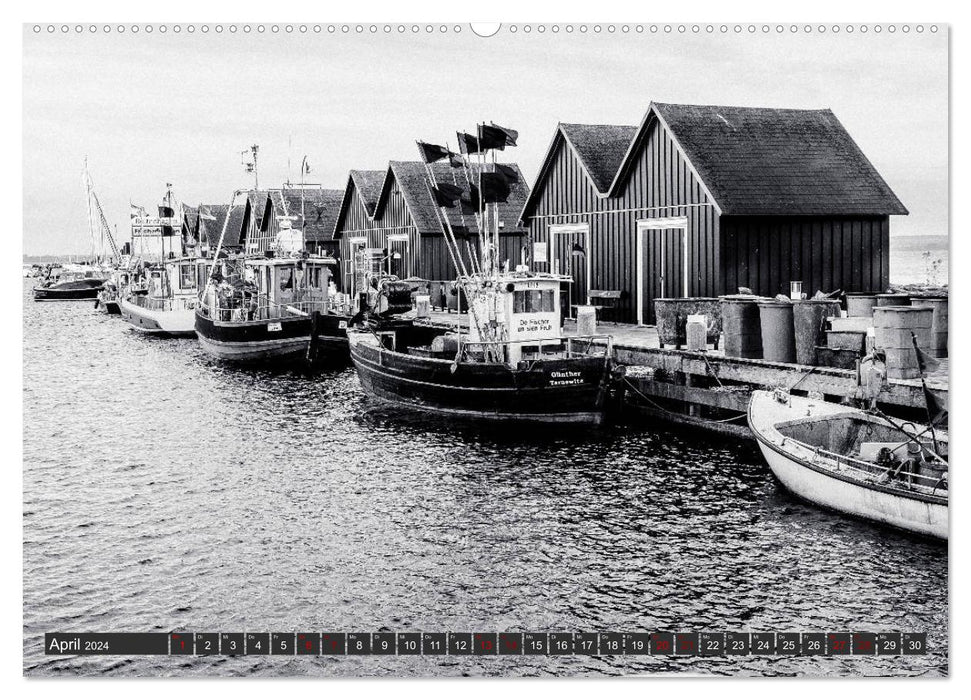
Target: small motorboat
x=66, y=284
x=855, y=462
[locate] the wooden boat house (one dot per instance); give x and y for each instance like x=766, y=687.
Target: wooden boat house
x=390, y=217
x=702, y=200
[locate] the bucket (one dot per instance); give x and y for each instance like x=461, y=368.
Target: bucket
x=893, y=326
x=809, y=326
x=586, y=320
x=860, y=305
x=740, y=323
x=938, y=343
x=893, y=299
x=696, y=331
x=423, y=305
x=778, y=331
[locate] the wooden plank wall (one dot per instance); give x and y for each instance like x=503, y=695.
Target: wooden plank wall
x=827, y=253
x=660, y=185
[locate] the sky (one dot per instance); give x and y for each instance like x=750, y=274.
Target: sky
x=148, y=109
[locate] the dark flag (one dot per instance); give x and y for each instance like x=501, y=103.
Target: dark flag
x=447, y=195
x=168, y=230
x=494, y=188
x=511, y=134
x=430, y=153
x=468, y=143
x=491, y=137
x=165, y=212
x=511, y=174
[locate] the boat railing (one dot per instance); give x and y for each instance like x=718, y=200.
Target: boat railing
x=877, y=473
x=263, y=309
x=178, y=303
x=571, y=346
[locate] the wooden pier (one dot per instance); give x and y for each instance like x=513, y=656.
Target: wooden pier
x=711, y=391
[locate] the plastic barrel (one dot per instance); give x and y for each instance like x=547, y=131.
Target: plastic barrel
x=778, y=336
x=809, y=323
x=586, y=320
x=741, y=326
x=860, y=305
x=938, y=341
x=893, y=299
x=893, y=326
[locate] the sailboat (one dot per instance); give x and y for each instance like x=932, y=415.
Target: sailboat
x=513, y=363
x=71, y=282
x=161, y=296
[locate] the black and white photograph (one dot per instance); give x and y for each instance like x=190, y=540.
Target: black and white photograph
x=520, y=349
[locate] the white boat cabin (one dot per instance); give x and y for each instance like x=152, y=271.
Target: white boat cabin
x=522, y=312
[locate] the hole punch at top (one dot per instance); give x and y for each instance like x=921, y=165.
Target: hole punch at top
x=485, y=29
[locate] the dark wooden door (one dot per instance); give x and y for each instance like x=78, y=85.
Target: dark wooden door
x=398, y=263
x=568, y=256
x=662, y=260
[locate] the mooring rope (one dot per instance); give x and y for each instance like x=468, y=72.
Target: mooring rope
x=675, y=413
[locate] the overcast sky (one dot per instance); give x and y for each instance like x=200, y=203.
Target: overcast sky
x=148, y=109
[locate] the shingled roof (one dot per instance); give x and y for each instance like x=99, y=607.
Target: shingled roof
x=368, y=184
x=412, y=179
x=320, y=209
x=760, y=161
x=600, y=148
x=751, y=160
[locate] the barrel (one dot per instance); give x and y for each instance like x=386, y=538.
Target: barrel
x=740, y=324
x=860, y=305
x=938, y=342
x=423, y=305
x=893, y=299
x=586, y=320
x=893, y=326
x=809, y=326
x=778, y=336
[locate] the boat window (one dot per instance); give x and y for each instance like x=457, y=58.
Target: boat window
x=185, y=276
x=286, y=278
x=531, y=301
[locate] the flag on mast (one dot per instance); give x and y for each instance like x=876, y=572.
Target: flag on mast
x=468, y=143
x=511, y=134
x=493, y=137
x=447, y=195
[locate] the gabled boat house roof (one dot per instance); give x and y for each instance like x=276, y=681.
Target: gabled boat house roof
x=700, y=200
x=394, y=211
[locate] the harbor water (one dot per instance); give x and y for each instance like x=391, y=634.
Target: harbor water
x=164, y=491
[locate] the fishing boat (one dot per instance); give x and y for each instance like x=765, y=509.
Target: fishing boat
x=272, y=310
x=512, y=361
x=272, y=307
x=161, y=298
x=855, y=462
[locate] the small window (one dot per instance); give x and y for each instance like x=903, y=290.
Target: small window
x=533, y=301
x=185, y=276
x=286, y=278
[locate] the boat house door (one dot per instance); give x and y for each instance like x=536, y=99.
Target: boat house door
x=398, y=255
x=570, y=255
x=662, y=263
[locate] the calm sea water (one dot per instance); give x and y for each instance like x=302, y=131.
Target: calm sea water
x=164, y=492
x=919, y=260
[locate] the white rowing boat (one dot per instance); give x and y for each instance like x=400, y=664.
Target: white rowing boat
x=855, y=462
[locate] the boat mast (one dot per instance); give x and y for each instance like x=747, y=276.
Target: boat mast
x=87, y=195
